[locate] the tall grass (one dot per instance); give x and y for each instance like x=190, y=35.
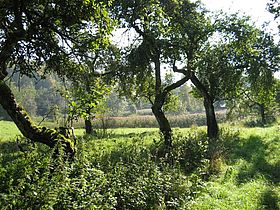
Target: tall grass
x=149, y=121
x=250, y=175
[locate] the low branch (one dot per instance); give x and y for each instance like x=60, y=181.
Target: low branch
x=177, y=84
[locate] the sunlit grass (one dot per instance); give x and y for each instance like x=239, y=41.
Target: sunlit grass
x=8, y=130
x=250, y=176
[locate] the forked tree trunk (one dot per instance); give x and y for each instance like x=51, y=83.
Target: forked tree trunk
x=24, y=123
x=164, y=125
x=212, y=125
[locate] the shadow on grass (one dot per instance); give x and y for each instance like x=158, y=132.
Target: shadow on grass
x=255, y=151
x=270, y=200
x=8, y=147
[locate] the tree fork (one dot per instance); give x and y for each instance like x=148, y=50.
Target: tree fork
x=24, y=123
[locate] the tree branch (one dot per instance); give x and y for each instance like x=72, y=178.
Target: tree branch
x=177, y=84
x=176, y=70
x=200, y=86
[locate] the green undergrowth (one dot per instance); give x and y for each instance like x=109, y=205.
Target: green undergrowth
x=249, y=177
x=127, y=169
x=123, y=170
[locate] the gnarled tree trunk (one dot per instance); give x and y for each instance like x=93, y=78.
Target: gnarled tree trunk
x=24, y=123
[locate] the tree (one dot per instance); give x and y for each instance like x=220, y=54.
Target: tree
x=156, y=46
x=260, y=86
x=83, y=98
x=49, y=102
x=43, y=37
x=274, y=8
x=222, y=63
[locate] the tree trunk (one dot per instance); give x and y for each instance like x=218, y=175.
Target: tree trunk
x=88, y=126
x=262, y=113
x=163, y=124
x=35, y=133
x=212, y=125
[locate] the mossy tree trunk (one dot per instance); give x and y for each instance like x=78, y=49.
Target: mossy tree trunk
x=24, y=123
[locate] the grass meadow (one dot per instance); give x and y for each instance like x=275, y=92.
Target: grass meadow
x=125, y=168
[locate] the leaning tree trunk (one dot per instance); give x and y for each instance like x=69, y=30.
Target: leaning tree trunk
x=24, y=123
x=163, y=125
x=212, y=125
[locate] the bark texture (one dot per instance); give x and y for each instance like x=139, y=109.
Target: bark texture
x=88, y=126
x=50, y=137
x=212, y=125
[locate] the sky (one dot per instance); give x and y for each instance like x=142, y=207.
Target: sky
x=254, y=8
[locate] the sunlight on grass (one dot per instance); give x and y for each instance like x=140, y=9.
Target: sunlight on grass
x=8, y=130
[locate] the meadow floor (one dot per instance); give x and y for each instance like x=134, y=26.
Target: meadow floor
x=124, y=169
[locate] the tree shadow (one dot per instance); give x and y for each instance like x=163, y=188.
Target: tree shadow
x=255, y=152
x=270, y=200
x=8, y=147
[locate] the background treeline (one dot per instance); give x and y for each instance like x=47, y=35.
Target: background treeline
x=43, y=98
x=44, y=101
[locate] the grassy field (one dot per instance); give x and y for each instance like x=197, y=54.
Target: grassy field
x=8, y=131
x=125, y=169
